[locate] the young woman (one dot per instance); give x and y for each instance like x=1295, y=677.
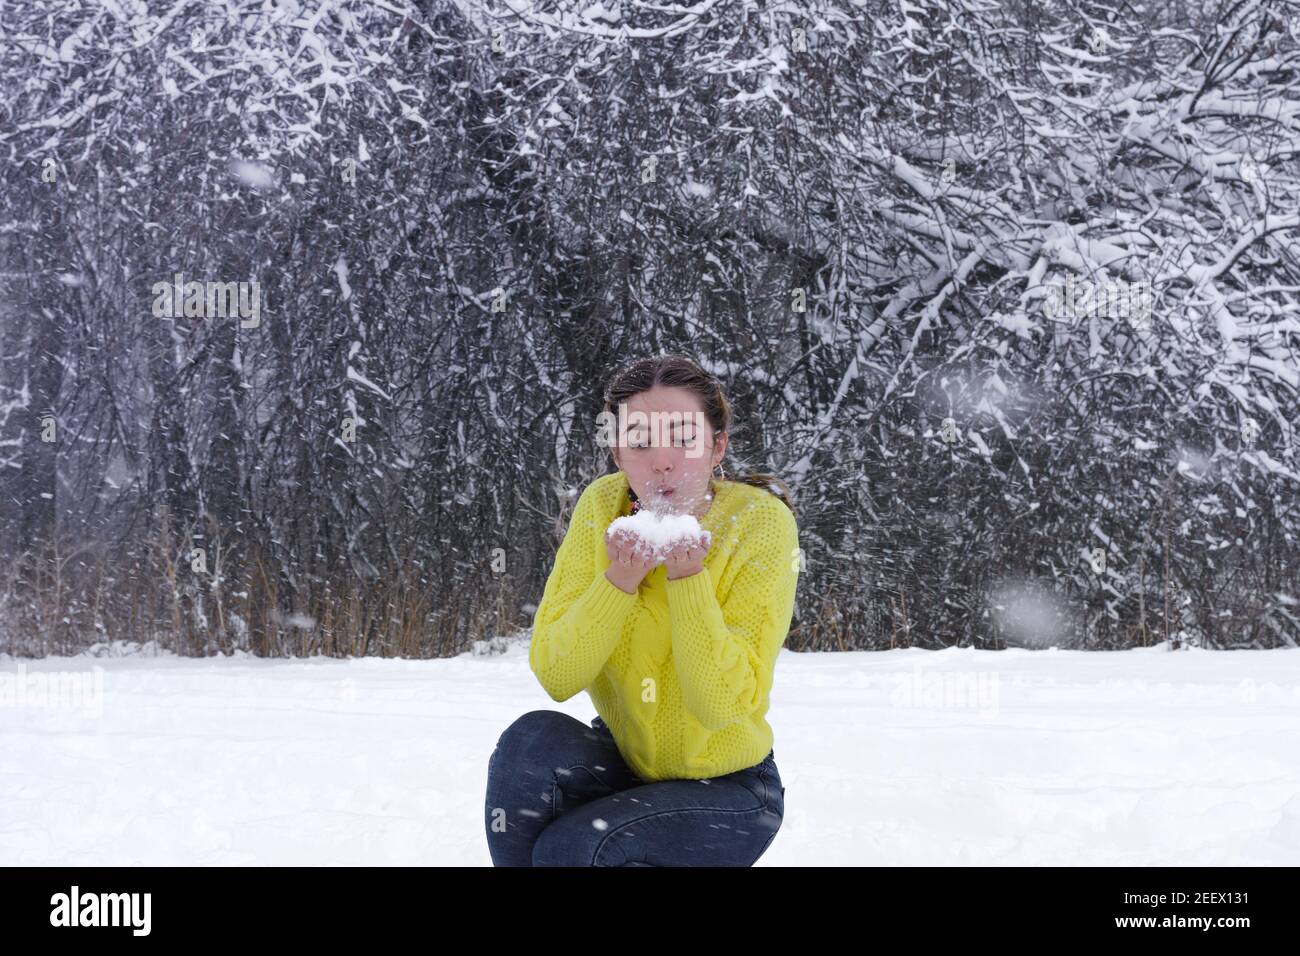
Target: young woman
x=677, y=654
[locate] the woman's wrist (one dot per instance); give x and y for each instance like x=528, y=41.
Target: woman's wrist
x=687, y=573
x=620, y=582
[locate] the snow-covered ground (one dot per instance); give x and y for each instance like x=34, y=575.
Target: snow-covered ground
x=1142, y=757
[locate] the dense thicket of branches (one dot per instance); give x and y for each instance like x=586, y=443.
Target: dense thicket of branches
x=462, y=216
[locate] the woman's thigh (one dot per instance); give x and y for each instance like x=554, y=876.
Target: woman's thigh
x=546, y=764
x=722, y=821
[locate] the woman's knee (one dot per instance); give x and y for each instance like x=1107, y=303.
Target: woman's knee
x=535, y=725
x=530, y=735
x=541, y=719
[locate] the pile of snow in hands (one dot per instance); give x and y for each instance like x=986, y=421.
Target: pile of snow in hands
x=660, y=533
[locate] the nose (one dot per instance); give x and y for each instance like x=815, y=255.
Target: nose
x=663, y=460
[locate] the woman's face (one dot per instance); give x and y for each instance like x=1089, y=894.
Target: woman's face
x=667, y=449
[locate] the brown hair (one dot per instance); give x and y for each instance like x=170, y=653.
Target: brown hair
x=678, y=371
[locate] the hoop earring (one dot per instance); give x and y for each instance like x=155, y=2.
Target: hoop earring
x=721, y=474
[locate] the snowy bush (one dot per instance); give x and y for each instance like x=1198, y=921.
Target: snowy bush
x=1005, y=291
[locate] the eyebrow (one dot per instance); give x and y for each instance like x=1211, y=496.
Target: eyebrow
x=671, y=425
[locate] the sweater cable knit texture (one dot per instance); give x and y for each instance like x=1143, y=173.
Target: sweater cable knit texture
x=681, y=670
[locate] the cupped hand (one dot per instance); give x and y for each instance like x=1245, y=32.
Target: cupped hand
x=630, y=559
x=686, y=557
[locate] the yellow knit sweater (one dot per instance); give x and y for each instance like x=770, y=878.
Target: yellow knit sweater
x=680, y=671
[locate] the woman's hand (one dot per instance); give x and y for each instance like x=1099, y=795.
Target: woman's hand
x=687, y=556
x=630, y=560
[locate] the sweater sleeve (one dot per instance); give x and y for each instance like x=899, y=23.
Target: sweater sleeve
x=726, y=654
x=580, y=618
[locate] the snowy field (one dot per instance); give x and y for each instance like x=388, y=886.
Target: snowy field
x=1143, y=757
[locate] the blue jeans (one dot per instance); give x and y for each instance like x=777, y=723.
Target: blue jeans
x=560, y=794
